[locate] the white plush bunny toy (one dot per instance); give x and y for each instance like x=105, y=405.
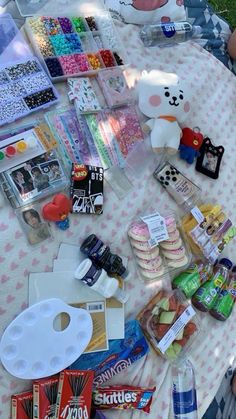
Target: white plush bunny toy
x=164, y=99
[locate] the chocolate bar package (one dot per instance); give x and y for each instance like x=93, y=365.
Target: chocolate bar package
x=22, y=406
x=45, y=397
x=74, y=396
x=87, y=189
x=121, y=354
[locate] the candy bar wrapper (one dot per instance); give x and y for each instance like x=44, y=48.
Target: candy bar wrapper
x=123, y=397
x=83, y=95
x=121, y=354
x=114, y=87
x=125, y=125
x=45, y=397
x=74, y=394
x=22, y=406
x=87, y=189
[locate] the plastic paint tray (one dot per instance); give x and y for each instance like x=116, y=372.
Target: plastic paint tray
x=66, y=48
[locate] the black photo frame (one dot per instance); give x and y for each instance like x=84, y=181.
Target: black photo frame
x=209, y=159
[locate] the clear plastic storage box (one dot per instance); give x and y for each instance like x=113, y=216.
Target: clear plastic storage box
x=24, y=85
x=75, y=45
x=169, y=323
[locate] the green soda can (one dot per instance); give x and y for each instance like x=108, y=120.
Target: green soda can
x=224, y=305
x=207, y=295
x=190, y=280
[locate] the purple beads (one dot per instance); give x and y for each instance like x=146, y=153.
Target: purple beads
x=66, y=24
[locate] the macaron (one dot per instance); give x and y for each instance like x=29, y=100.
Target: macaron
x=147, y=255
x=150, y=264
x=174, y=254
x=171, y=244
x=140, y=245
x=174, y=235
x=170, y=224
x=178, y=263
x=139, y=231
x=153, y=273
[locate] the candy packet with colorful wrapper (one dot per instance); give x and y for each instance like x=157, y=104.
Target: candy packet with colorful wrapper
x=123, y=397
x=121, y=354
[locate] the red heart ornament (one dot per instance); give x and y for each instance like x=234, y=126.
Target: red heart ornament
x=58, y=209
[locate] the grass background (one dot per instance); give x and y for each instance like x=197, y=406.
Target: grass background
x=226, y=9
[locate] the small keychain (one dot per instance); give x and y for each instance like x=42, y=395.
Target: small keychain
x=190, y=144
x=58, y=210
x=209, y=159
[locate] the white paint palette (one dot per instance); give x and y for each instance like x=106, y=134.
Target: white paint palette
x=32, y=348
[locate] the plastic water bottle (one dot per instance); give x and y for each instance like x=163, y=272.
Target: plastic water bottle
x=168, y=34
x=184, y=390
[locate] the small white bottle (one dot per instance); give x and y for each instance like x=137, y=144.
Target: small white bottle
x=99, y=281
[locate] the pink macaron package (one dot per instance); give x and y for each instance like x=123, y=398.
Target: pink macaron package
x=158, y=246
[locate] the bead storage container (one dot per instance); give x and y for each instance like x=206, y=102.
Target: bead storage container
x=24, y=88
x=74, y=45
x=24, y=85
x=170, y=324
x=163, y=258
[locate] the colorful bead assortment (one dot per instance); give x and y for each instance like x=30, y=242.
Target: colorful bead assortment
x=23, y=87
x=37, y=26
x=45, y=46
x=54, y=67
x=94, y=61
x=107, y=58
x=66, y=24
x=91, y=23
x=37, y=82
x=41, y=98
x=52, y=25
x=63, y=39
x=83, y=62
x=78, y=23
x=19, y=70
x=69, y=64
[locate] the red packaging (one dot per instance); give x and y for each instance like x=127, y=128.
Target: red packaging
x=45, y=397
x=74, y=394
x=22, y=406
x=123, y=397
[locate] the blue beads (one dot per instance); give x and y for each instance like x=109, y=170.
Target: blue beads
x=74, y=42
x=60, y=44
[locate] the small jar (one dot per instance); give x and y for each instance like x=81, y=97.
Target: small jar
x=232, y=45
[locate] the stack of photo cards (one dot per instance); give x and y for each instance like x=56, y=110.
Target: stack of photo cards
x=87, y=189
x=61, y=284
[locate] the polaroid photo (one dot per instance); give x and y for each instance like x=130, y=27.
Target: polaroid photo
x=33, y=224
x=36, y=177
x=209, y=159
